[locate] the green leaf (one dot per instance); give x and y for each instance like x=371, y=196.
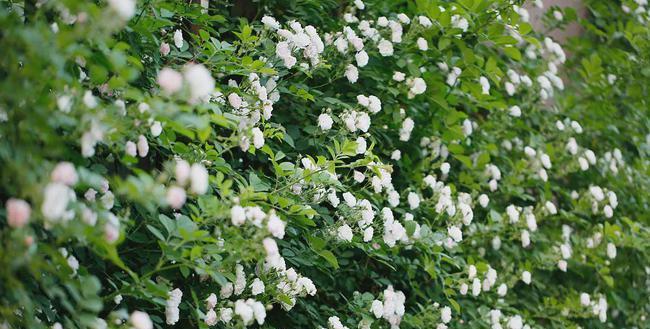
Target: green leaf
x=329, y=257
x=156, y=232
x=513, y=53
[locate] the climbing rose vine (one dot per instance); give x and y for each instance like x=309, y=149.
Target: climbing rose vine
x=323, y=164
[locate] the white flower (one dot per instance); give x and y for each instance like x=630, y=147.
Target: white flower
x=170, y=80
x=611, y=78
x=496, y=243
x=546, y=161
x=385, y=47
x=368, y=234
x=333, y=199
x=244, y=311
x=344, y=233
x=276, y=226
x=405, y=131
x=476, y=287
x=591, y=156
x=502, y=290
x=363, y=100
x=176, y=197
x=413, y=200
x=361, y=145
x=485, y=85
x=515, y=111
x=178, y=39
x=335, y=323
x=18, y=212
x=171, y=308
x=64, y=173
x=455, y=233
x=325, y=121
x=211, y=318
x=156, y=128
x=453, y=76
x=515, y=322
x=359, y=4
x=270, y=22
x=377, y=308
x=140, y=320
x=361, y=58
x=585, y=300
x=418, y=86
x=529, y=151
x=562, y=265
x=424, y=21
x=611, y=250
x=422, y=44
x=200, y=82
x=572, y=146
x=396, y=155
x=393, y=198
x=143, y=146
x=459, y=22
x=226, y=290
x=124, y=8
x=608, y=211
x=403, y=18
x=225, y=314
x=55, y=201
x=445, y=314
x=182, y=171
x=558, y=15
x=362, y=121
x=89, y=100
x=235, y=101
x=358, y=176
x=374, y=104
x=597, y=193
x=575, y=125
x=257, y=287
x=483, y=200
x=467, y=127
x=64, y=103
x=510, y=88
x=444, y=168
x=198, y=179
x=526, y=277
x=550, y=207
x=463, y=289
x=283, y=51
x=525, y=238
x=258, y=138
x=351, y=73
x=471, y=272
x=237, y=215
x=211, y=301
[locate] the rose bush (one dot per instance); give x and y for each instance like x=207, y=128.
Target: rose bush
x=339, y=164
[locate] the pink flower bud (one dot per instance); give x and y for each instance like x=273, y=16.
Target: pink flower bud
x=176, y=197
x=65, y=173
x=164, y=49
x=18, y=212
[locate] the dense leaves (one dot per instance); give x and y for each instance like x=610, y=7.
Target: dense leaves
x=306, y=164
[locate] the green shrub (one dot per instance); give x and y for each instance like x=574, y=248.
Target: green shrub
x=306, y=164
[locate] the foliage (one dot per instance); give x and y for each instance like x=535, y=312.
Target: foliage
x=154, y=154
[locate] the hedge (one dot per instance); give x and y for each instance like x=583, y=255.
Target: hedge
x=323, y=164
